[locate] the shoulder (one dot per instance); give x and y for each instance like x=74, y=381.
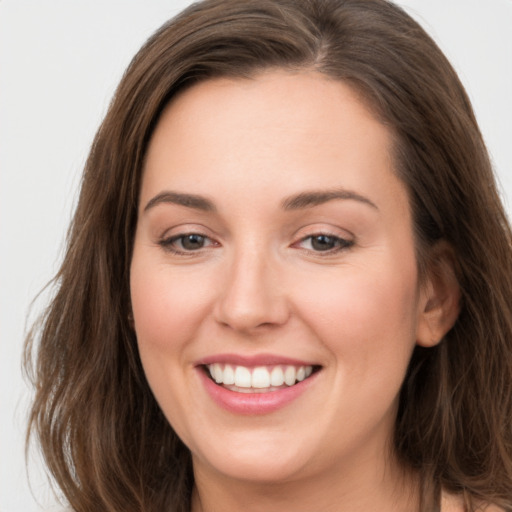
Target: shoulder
x=455, y=503
x=451, y=503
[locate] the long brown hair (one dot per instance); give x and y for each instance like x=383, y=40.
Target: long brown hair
x=103, y=436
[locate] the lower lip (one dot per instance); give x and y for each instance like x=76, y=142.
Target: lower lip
x=254, y=403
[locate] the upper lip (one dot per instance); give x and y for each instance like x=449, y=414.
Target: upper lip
x=253, y=360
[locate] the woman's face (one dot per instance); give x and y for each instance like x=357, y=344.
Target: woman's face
x=274, y=241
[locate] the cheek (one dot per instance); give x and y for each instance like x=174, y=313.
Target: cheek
x=167, y=308
x=366, y=317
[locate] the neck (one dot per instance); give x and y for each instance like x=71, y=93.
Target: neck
x=357, y=488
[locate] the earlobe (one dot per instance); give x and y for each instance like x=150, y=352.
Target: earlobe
x=439, y=303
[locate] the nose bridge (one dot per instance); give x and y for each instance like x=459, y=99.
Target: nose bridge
x=251, y=296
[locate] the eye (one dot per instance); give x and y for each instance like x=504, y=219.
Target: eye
x=186, y=243
x=325, y=243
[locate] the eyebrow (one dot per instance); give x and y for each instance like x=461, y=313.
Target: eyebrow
x=300, y=201
x=312, y=198
x=189, y=200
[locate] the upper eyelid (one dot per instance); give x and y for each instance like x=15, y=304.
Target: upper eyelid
x=316, y=229
x=326, y=232
x=187, y=229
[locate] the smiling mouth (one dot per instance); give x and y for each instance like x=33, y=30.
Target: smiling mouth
x=259, y=379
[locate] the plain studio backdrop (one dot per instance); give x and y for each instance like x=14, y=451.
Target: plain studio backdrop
x=60, y=62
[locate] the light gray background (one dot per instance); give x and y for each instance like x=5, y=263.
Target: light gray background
x=59, y=64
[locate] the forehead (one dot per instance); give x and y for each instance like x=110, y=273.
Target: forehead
x=278, y=132
x=271, y=99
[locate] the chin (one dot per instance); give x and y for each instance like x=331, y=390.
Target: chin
x=256, y=462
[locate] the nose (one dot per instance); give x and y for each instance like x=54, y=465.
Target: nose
x=252, y=297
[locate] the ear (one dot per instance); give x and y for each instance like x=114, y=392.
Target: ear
x=439, y=303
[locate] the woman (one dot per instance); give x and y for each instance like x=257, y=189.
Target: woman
x=288, y=277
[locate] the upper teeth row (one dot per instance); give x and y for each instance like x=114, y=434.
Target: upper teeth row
x=258, y=377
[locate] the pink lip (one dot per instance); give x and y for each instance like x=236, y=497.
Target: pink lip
x=253, y=403
x=251, y=361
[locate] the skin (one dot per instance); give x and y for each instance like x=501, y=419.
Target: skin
x=259, y=286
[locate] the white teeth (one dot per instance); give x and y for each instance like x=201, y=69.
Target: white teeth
x=242, y=377
x=290, y=375
x=260, y=377
x=218, y=374
x=229, y=375
x=277, y=376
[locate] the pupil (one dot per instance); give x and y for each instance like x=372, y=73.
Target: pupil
x=193, y=242
x=322, y=242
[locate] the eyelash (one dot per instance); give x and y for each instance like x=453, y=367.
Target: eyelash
x=341, y=244
x=169, y=243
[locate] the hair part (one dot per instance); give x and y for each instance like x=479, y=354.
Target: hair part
x=103, y=436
